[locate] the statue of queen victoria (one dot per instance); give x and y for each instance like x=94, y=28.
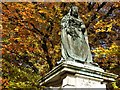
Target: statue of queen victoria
x=74, y=38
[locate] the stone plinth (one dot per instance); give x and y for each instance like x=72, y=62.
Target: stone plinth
x=71, y=74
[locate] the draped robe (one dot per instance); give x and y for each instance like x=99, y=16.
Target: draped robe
x=74, y=40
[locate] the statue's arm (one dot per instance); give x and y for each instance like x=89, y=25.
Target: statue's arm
x=86, y=37
x=65, y=23
x=84, y=31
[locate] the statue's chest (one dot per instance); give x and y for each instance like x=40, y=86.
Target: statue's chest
x=74, y=23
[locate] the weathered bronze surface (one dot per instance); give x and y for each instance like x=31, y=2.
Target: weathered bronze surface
x=74, y=38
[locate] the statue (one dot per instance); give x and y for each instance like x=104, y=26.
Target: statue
x=74, y=38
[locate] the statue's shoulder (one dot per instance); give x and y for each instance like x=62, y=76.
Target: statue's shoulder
x=65, y=18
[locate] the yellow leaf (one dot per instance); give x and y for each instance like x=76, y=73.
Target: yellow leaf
x=42, y=11
x=59, y=33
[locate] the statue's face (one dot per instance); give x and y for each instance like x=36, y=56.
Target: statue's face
x=74, y=11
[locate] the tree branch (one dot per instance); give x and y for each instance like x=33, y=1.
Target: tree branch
x=91, y=5
x=101, y=5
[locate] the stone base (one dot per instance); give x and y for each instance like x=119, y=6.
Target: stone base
x=71, y=74
x=81, y=81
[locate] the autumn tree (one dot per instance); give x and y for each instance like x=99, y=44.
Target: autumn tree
x=31, y=38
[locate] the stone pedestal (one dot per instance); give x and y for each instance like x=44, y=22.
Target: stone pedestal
x=71, y=74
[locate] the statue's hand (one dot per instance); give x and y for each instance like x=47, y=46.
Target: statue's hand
x=72, y=33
